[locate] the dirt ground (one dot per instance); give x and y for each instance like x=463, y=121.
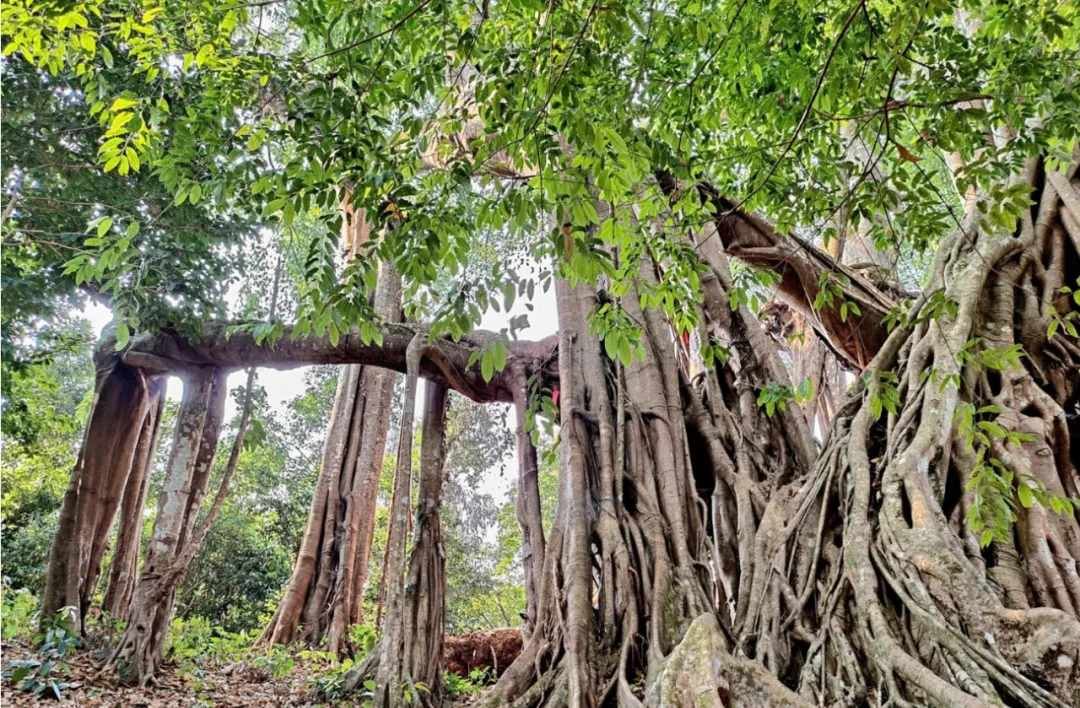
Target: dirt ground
x=237, y=685
x=233, y=686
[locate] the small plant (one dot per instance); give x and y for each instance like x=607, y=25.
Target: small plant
x=329, y=685
x=775, y=396
x=481, y=675
x=457, y=686
x=1067, y=321
x=41, y=676
x=196, y=639
x=278, y=661
x=362, y=637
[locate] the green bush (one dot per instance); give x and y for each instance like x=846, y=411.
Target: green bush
x=195, y=638
x=240, y=569
x=18, y=612
x=26, y=549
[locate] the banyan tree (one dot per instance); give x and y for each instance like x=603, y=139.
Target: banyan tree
x=815, y=372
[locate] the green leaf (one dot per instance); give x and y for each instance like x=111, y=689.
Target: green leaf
x=123, y=336
x=625, y=352
x=122, y=103
x=611, y=347
x=1024, y=492
x=120, y=120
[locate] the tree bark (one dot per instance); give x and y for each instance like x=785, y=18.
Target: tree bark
x=529, y=514
x=856, y=578
x=446, y=361
x=424, y=611
x=141, y=648
x=802, y=267
x=124, y=569
x=407, y=664
x=325, y=592
x=386, y=661
x=391, y=650
x=123, y=398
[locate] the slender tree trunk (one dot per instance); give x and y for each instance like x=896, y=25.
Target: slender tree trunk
x=424, y=620
x=325, y=591
x=123, y=398
x=124, y=570
x=391, y=651
x=529, y=513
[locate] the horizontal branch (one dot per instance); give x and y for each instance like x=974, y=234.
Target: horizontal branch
x=801, y=265
x=444, y=360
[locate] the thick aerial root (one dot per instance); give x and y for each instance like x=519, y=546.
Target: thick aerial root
x=702, y=672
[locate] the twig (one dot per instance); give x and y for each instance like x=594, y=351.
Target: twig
x=397, y=25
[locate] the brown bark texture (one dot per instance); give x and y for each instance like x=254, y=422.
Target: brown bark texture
x=117, y=440
x=325, y=593
x=124, y=569
x=141, y=648
x=717, y=555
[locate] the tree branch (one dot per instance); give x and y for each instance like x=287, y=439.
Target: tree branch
x=444, y=360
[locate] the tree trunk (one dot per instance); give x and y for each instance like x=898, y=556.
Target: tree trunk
x=407, y=664
x=124, y=397
x=424, y=620
x=325, y=592
x=124, y=569
x=385, y=662
x=737, y=574
x=649, y=509
x=529, y=514
x=142, y=646
x=900, y=602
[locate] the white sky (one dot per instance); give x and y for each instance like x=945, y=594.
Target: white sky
x=283, y=386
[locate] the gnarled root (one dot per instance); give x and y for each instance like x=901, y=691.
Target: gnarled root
x=702, y=672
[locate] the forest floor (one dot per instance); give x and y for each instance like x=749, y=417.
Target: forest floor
x=237, y=684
